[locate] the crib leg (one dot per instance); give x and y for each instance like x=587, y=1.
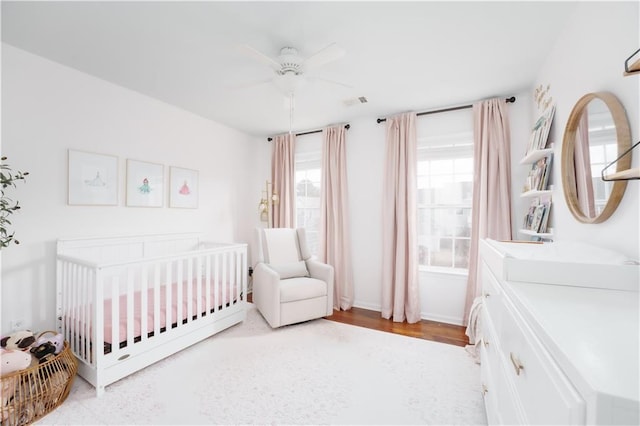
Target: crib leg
x=99, y=391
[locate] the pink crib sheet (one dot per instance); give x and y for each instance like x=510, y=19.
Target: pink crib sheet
x=231, y=295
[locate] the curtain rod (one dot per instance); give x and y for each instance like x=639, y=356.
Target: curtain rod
x=509, y=100
x=346, y=126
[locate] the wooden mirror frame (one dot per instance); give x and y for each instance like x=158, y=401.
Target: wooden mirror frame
x=623, y=136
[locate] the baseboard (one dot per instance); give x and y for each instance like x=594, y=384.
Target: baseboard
x=441, y=318
x=368, y=306
x=423, y=315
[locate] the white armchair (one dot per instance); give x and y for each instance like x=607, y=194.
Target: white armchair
x=288, y=285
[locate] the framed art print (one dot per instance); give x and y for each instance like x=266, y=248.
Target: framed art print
x=183, y=188
x=145, y=184
x=92, y=179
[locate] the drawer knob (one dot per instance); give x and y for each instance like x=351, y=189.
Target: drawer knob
x=486, y=294
x=485, y=342
x=516, y=363
x=484, y=389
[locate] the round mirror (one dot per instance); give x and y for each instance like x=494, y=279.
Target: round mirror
x=597, y=133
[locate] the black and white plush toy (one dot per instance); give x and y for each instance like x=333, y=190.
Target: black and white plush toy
x=44, y=352
x=18, y=341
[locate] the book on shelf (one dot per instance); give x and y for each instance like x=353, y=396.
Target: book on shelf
x=540, y=132
x=538, y=178
x=545, y=217
x=537, y=218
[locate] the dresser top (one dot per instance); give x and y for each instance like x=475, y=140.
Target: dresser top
x=594, y=334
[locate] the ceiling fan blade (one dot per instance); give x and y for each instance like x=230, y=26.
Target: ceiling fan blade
x=251, y=84
x=267, y=60
x=328, y=54
x=326, y=80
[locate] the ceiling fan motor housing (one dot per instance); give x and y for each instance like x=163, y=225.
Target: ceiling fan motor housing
x=290, y=61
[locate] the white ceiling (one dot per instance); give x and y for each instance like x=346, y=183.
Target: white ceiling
x=400, y=55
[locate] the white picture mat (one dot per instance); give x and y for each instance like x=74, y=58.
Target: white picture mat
x=145, y=184
x=92, y=179
x=184, y=188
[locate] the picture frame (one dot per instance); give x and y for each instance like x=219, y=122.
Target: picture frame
x=92, y=179
x=183, y=184
x=145, y=184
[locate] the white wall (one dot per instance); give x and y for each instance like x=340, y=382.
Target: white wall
x=46, y=110
x=589, y=57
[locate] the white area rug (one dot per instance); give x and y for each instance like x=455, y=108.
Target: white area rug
x=319, y=372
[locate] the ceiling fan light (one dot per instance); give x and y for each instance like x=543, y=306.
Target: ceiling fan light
x=289, y=83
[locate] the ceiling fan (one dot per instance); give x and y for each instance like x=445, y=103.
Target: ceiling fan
x=291, y=68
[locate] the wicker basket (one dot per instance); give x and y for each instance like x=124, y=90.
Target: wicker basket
x=28, y=395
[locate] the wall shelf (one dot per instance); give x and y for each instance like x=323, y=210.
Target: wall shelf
x=536, y=154
x=535, y=234
x=625, y=174
x=536, y=193
x=632, y=64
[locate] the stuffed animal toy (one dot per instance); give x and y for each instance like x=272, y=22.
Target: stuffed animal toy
x=44, y=352
x=20, y=340
x=11, y=361
x=57, y=340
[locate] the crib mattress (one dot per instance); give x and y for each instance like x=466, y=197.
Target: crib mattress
x=216, y=301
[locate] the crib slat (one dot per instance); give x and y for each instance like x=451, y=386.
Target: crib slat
x=199, y=286
x=233, y=277
x=156, y=299
x=87, y=316
x=144, y=286
x=115, y=313
x=225, y=278
x=97, y=348
x=130, y=299
x=189, y=284
x=216, y=281
x=178, y=284
x=76, y=308
x=168, y=297
x=209, y=284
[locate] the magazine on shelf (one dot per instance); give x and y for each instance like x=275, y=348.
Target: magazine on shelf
x=544, y=184
x=537, y=218
x=540, y=131
x=538, y=178
x=545, y=217
x=538, y=213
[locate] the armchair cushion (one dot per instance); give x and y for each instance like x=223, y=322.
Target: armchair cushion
x=296, y=289
x=291, y=269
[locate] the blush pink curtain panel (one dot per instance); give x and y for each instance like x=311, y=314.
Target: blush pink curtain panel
x=283, y=180
x=335, y=247
x=400, y=295
x=491, y=204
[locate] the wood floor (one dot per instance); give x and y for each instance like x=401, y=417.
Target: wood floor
x=428, y=330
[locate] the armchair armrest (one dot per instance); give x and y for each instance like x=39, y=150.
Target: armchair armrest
x=266, y=293
x=323, y=272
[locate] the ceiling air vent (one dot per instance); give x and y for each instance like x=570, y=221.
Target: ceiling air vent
x=355, y=101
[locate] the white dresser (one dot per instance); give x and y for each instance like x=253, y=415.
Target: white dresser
x=560, y=334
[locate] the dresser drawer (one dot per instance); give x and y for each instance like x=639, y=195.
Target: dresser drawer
x=492, y=295
x=501, y=402
x=546, y=394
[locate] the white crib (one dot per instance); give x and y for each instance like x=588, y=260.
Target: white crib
x=170, y=291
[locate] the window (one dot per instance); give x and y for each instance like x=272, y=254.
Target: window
x=308, y=163
x=445, y=190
